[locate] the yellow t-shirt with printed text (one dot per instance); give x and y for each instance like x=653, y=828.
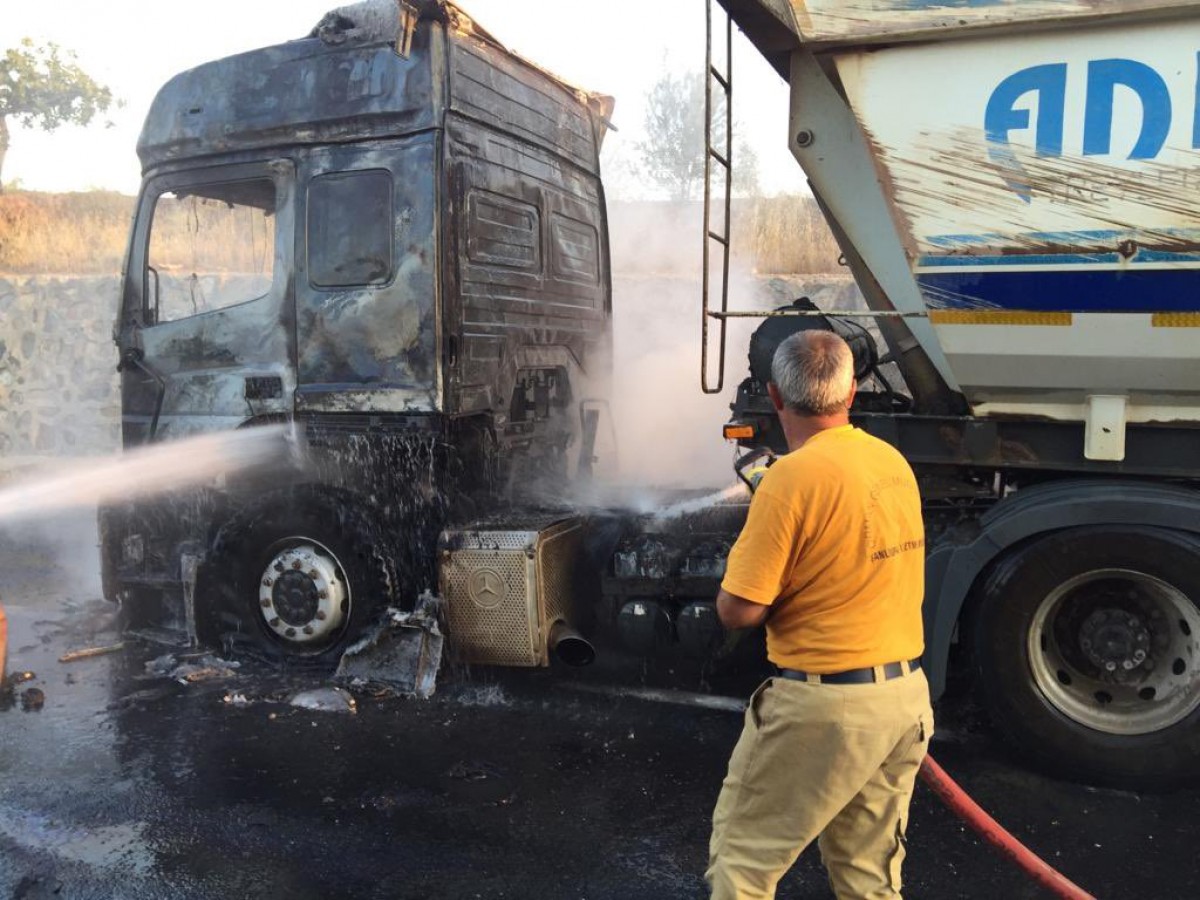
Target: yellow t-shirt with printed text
x=834, y=542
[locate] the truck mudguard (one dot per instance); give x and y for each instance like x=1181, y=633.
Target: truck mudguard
x=953, y=568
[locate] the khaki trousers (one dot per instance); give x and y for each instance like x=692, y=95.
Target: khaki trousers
x=838, y=761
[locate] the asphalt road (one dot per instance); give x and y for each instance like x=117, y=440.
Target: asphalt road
x=506, y=784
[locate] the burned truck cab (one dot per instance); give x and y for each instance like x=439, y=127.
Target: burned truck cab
x=391, y=232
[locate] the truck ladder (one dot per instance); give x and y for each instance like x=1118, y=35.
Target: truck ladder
x=724, y=159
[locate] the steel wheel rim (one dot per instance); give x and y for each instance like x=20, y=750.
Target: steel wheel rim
x=304, y=597
x=1150, y=695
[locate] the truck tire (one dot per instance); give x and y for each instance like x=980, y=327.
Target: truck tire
x=1087, y=649
x=302, y=579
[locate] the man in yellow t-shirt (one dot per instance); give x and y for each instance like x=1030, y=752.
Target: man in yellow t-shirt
x=832, y=559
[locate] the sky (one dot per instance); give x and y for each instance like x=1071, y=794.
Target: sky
x=617, y=47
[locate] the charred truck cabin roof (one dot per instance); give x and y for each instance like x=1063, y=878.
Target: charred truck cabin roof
x=369, y=71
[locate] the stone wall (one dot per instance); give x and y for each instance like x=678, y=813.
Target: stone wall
x=59, y=391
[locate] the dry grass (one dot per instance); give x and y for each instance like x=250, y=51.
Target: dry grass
x=785, y=236
x=78, y=234
x=86, y=233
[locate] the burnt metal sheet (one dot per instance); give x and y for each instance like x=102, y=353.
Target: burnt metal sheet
x=369, y=70
x=373, y=347
x=188, y=375
x=299, y=92
x=493, y=87
x=528, y=264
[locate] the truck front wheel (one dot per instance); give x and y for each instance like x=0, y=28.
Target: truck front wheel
x=303, y=580
x=1087, y=647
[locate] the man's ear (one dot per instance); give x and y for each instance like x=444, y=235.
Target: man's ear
x=853, y=392
x=776, y=397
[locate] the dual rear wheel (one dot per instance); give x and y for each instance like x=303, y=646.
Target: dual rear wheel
x=1087, y=649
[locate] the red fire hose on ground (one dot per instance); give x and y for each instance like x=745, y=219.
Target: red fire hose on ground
x=994, y=833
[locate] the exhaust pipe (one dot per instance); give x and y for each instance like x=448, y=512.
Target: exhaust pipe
x=570, y=646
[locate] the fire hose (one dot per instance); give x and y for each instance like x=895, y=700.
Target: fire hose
x=997, y=835
x=750, y=469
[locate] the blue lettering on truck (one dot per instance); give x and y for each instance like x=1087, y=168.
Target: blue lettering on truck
x=1103, y=77
x=1118, y=268
x=1196, y=107
x=1049, y=83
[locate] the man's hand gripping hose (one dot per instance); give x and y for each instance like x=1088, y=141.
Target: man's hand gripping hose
x=750, y=468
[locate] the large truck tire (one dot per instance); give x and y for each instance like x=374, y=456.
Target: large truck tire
x=301, y=579
x=1087, y=650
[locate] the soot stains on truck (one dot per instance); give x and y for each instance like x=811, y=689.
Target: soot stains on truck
x=403, y=237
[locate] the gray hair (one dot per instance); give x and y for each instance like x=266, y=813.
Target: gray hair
x=814, y=371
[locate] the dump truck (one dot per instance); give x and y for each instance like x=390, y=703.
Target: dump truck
x=1008, y=184
x=421, y=282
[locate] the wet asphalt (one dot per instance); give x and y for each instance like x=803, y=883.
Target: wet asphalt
x=504, y=785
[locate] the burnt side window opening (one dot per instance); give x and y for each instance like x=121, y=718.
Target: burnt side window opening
x=350, y=229
x=576, y=250
x=502, y=231
x=211, y=246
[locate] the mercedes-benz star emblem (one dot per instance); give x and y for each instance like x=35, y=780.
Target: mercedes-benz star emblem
x=486, y=588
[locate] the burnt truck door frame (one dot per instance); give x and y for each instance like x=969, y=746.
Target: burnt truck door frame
x=214, y=369
x=368, y=304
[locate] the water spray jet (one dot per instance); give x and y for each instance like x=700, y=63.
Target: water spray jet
x=151, y=470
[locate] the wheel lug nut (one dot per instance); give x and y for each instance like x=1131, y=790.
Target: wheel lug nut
x=266, y=603
x=321, y=615
x=267, y=582
x=274, y=623
x=313, y=574
x=322, y=595
x=296, y=564
x=1110, y=666
x=1127, y=665
x=308, y=629
x=278, y=567
x=291, y=632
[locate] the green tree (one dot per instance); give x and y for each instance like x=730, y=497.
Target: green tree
x=44, y=87
x=672, y=155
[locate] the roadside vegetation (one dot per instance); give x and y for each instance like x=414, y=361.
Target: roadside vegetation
x=70, y=234
x=86, y=233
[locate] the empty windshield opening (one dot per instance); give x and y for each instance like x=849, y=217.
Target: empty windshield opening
x=211, y=246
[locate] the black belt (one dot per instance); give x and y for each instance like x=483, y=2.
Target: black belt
x=853, y=676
